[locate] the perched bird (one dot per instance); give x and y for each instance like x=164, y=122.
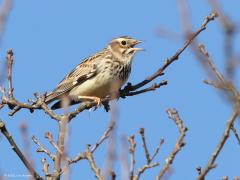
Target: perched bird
x=97, y=76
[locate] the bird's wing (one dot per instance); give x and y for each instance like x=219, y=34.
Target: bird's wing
x=84, y=71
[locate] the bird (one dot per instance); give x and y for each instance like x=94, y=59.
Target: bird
x=97, y=76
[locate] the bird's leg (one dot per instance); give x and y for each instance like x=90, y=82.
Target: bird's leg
x=94, y=98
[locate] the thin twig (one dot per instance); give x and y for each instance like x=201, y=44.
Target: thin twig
x=233, y=94
x=92, y=163
x=142, y=169
x=151, y=88
x=235, y=134
x=82, y=155
x=41, y=148
x=49, y=137
x=214, y=84
x=18, y=151
x=210, y=165
x=147, y=155
x=221, y=83
x=45, y=167
x=157, y=149
x=173, y=115
x=9, y=59
x=219, y=76
x=105, y=135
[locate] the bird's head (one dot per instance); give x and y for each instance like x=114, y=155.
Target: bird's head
x=124, y=47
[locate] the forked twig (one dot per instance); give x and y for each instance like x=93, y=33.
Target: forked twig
x=173, y=115
x=41, y=148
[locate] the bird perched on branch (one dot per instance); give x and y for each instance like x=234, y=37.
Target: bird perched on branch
x=97, y=76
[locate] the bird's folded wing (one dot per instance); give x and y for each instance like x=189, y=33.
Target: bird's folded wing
x=80, y=74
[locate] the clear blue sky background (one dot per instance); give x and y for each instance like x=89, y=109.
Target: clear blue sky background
x=50, y=37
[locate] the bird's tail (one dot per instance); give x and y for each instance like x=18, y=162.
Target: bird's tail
x=58, y=104
x=50, y=97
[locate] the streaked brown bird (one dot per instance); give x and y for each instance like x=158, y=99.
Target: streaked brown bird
x=97, y=76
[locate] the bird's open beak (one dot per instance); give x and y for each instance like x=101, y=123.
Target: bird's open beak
x=136, y=42
x=135, y=48
x=138, y=49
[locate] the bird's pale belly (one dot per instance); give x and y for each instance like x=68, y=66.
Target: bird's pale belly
x=99, y=87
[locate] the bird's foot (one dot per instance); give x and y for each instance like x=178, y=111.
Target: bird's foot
x=94, y=98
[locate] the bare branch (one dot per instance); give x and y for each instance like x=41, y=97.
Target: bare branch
x=221, y=82
x=151, y=88
x=235, y=134
x=88, y=155
x=149, y=159
x=157, y=149
x=49, y=137
x=91, y=161
x=147, y=155
x=144, y=145
x=104, y=136
x=173, y=115
x=45, y=167
x=219, y=76
x=41, y=148
x=233, y=94
x=220, y=145
x=18, y=151
x=142, y=170
x=83, y=106
x=170, y=60
x=9, y=59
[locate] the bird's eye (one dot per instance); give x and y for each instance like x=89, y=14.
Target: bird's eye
x=123, y=43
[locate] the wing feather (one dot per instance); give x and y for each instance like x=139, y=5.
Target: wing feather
x=84, y=71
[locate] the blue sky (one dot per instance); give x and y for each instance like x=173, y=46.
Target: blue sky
x=50, y=37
